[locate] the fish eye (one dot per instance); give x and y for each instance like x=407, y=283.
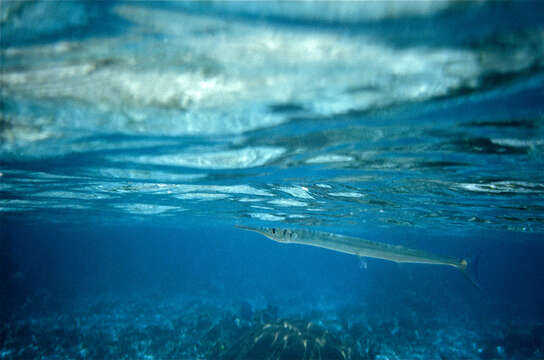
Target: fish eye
x=273, y=230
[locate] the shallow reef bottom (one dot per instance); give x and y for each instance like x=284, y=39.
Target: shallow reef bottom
x=204, y=327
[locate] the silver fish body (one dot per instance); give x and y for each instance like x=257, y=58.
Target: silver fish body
x=357, y=246
x=367, y=248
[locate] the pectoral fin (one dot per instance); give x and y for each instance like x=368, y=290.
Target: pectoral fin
x=363, y=264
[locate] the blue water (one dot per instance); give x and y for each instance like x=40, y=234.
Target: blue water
x=134, y=137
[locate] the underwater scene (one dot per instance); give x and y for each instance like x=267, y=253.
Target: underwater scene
x=247, y=180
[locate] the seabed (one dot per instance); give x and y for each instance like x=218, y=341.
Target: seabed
x=201, y=327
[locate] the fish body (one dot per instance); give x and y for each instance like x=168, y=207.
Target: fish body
x=355, y=246
x=360, y=247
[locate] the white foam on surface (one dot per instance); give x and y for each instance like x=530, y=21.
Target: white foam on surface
x=323, y=159
x=519, y=187
x=266, y=217
x=297, y=191
x=201, y=196
x=324, y=186
x=185, y=84
x=249, y=200
x=210, y=159
x=519, y=142
x=287, y=202
x=347, y=194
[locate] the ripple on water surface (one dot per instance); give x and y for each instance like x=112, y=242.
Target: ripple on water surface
x=308, y=114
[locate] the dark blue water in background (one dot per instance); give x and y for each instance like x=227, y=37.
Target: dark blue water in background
x=134, y=136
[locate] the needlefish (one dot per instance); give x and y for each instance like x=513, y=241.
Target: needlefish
x=365, y=248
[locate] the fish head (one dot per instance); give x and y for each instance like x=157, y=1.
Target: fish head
x=277, y=234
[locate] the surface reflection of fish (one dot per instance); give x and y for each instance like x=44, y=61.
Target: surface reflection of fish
x=364, y=248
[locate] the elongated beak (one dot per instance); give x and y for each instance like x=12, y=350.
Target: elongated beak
x=249, y=228
x=244, y=227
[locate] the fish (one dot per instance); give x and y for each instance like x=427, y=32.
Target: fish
x=365, y=248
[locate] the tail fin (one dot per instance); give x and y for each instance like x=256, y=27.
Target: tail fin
x=469, y=267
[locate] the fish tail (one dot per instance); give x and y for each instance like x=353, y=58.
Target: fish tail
x=470, y=267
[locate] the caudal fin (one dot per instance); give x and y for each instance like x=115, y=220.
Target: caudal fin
x=470, y=267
